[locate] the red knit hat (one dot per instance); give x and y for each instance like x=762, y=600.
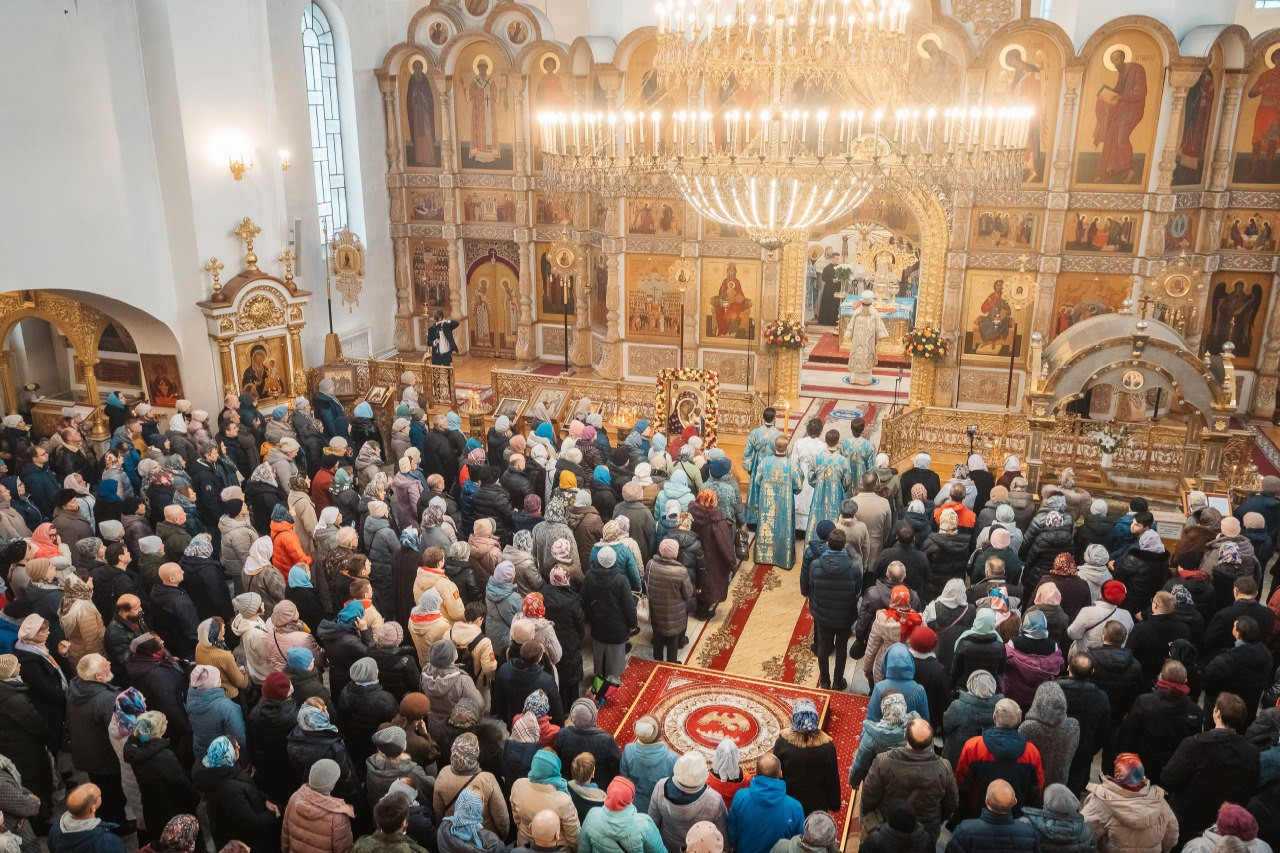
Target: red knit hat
x=277, y=687
x=620, y=793
x=923, y=640
x=1234, y=820
x=1113, y=592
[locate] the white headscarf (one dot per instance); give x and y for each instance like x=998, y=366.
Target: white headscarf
x=1012, y=465
x=726, y=763
x=976, y=462
x=328, y=517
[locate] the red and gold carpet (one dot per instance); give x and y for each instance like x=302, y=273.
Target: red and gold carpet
x=697, y=708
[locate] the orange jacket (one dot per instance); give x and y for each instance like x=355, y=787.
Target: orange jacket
x=286, y=550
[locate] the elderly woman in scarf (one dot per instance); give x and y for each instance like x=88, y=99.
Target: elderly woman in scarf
x=949, y=615
x=464, y=831
x=1033, y=658
x=544, y=788
x=210, y=711
x=889, y=732
x=960, y=475
x=808, y=758
x=287, y=631
x=637, y=442
x=892, y=624
x=551, y=529
x=520, y=554
x=129, y=705
x=969, y=713
x=315, y=738
x=180, y=835
x=81, y=623
x=464, y=773
x=237, y=807
x=211, y=650
x=42, y=674
x=1144, y=569
x=726, y=777
x=979, y=648
x=1073, y=590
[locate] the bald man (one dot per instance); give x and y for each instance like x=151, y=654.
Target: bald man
x=80, y=828
x=173, y=532
x=996, y=828
x=911, y=772
x=126, y=625
x=762, y=814
x=545, y=829
x=173, y=613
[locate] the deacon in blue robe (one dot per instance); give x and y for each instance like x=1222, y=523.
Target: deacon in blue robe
x=831, y=483
x=860, y=452
x=780, y=480
x=759, y=448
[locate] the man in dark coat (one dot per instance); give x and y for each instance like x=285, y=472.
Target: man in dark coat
x=1001, y=752
x=42, y=485
x=1243, y=670
x=1209, y=769
x=995, y=828
x=1160, y=721
x=1090, y=706
x=1150, y=638
x=903, y=551
x=516, y=482
x=440, y=339
x=564, y=611
x=1266, y=504
x=491, y=501
x=519, y=678
x=439, y=457
x=1118, y=674
x=832, y=584
x=1218, y=634
x=126, y=625
x=23, y=735
x=91, y=699
x=173, y=613
x=85, y=832
x=581, y=734
x=875, y=597
x=208, y=483
x=160, y=678
x=913, y=772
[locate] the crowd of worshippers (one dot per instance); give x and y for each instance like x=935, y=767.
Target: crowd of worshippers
x=285, y=629
x=1009, y=640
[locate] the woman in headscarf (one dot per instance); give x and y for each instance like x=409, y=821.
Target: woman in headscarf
x=427, y=624
x=969, y=713
x=1143, y=571
x=129, y=705
x=180, y=835
x=464, y=831
x=261, y=577
x=982, y=479
x=316, y=738
x=31, y=517
x=602, y=495
x=303, y=511
x=978, y=648
x=236, y=806
x=1073, y=589
x=892, y=624
x=920, y=474
x=1048, y=600
x=42, y=674
x=262, y=493
x=949, y=615
x=287, y=631
x=889, y=732
x=1094, y=571
x=163, y=784
x=80, y=620
x=406, y=489
x=808, y=758
x=520, y=554
x=486, y=550
x=48, y=545
x=464, y=773
x=1033, y=658
x=1022, y=501
x=1012, y=470
x=1042, y=546
x=211, y=650
x=445, y=684
x=406, y=560
x=637, y=442
x=437, y=530
x=543, y=789
x=960, y=475
x=1078, y=500
x=304, y=595
x=726, y=776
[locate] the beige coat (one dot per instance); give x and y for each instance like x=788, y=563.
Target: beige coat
x=233, y=678
x=529, y=798
x=483, y=662
x=450, y=600
x=83, y=627
x=876, y=513
x=1129, y=821
x=884, y=633
x=856, y=541
x=316, y=823
x=424, y=633
x=279, y=643
x=497, y=819
x=304, y=520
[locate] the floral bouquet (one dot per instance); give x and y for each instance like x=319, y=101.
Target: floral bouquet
x=925, y=342
x=843, y=273
x=785, y=334
x=1111, y=437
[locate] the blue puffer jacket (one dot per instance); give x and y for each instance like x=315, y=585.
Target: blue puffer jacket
x=624, y=565
x=899, y=675
x=646, y=764
x=994, y=833
x=624, y=831
x=876, y=738
x=832, y=585
x=762, y=815
x=212, y=715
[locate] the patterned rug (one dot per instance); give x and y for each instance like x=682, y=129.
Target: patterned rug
x=697, y=708
x=829, y=350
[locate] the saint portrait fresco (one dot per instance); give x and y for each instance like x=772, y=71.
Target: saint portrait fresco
x=988, y=320
x=517, y=32
x=1180, y=231
x=1005, y=229
x=549, y=93
x=1119, y=110
x=936, y=74
x=654, y=304
x=659, y=217
x=730, y=299
x=1027, y=72
x=557, y=293
x=484, y=115
x=598, y=267
x=1080, y=295
x=1237, y=313
x=422, y=143
x=1258, y=131
x=1197, y=121
x=1110, y=231
x=429, y=275
x=1249, y=231
x=164, y=384
x=438, y=33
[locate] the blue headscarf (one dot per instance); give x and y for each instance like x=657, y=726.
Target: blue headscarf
x=129, y=705
x=474, y=444
x=452, y=421
x=281, y=513
x=220, y=753
x=409, y=538
x=113, y=400
x=545, y=430
x=312, y=719
x=299, y=578
x=299, y=658
x=279, y=412
x=364, y=410
x=658, y=442
x=350, y=612
x=720, y=467
x=601, y=475
x=546, y=769
x=468, y=816
x=108, y=490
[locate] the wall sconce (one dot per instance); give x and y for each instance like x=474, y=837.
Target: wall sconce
x=238, y=167
x=284, y=160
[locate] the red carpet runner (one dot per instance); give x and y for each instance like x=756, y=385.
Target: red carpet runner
x=697, y=708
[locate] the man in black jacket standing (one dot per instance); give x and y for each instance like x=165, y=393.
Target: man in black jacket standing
x=903, y=550
x=1090, y=706
x=519, y=678
x=91, y=699
x=1244, y=669
x=1160, y=721
x=1150, y=638
x=1217, y=636
x=439, y=457
x=1209, y=769
x=491, y=501
x=440, y=340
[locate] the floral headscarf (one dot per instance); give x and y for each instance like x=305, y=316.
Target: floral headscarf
x=409, y=538
x=312, y=719
x=130, y=704
x=467, y=818
x=1229, y=553
x=534, y=607
x=804, y=716
x=538, y=704
x=1064, y=565
x=221, y=753
x=180, y=835
x=893, y=710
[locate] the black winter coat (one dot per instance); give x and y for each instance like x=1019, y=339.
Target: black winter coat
x=24, y=733
x=948, y=555
x=1043, y=551
x=306, y=748
x=1206, y=771
x=398, y=671
x=518, y=485
x=833, y=584
x=1119, y=674
x=163, y=683
x=1155, y=726
x=515, y=682
x=459, y=571
x=343, y=646
x=691, y=555
x=1088, y=705
x=362, y=430
x=573, y=741
x=174, y=617
x=166, y=791
x=1095, y=530
x=206, y=584
x=609, y=604
x=237, y=808
x=262, y=499
x=810, y=770
x=45, y=692
x=362, y=709
x=974, y=653
x=90, y=706
x=912, y=558
x=491, y=501
x=1243, y=670
x=439, y=457
x=564, y=609
x=268, y=729
x=1149, y=641
x=935, y=678
x=1218, y=636
x=1143, y=574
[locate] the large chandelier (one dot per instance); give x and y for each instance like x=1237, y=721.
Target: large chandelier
x=776, y=116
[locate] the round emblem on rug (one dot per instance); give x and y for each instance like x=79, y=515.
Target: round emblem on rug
x=697, y=716
x=714, y=723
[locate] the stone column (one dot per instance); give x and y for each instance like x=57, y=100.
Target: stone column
x=610, y=366
x=1232, y=89
x=6, y=382
x=526, y=349
x=395, y=151
x=229, y=384
x=404, y=337
x=580, y=352
x=517, y=85
x=457, y=295
x=1072, y=79
x=790, y=307
x=297, y=375
x=444, y=96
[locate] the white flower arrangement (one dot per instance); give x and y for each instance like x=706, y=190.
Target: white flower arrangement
x=1111, y=438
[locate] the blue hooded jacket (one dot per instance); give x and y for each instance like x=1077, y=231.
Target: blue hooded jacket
x=899, y=675
x=762, y=815
x=212, y=714
x=646, y=764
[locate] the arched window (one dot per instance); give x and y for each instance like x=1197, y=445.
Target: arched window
x=328, y=167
